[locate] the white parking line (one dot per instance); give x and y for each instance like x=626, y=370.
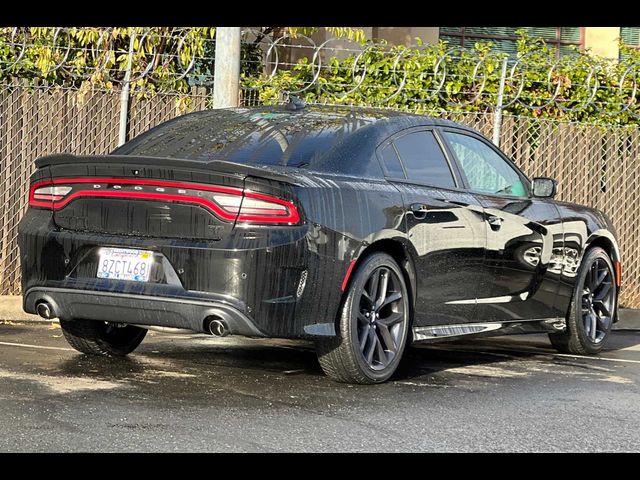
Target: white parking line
x=632, y=348
x=605, y=359
x=42, y=347
x=621, y=360
x=538, y=352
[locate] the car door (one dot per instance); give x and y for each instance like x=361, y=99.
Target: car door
x=523, y=233
x=444, y=224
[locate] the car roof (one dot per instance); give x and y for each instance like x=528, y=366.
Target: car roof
x=278, y=136
x=326, y=115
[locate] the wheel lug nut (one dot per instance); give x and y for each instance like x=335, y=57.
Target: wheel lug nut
x=366, y=314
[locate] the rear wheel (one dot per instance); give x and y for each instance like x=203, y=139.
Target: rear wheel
x=373, y=325
x=102, y=338
x=592, y=309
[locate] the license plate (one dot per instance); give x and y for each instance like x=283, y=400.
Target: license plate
x=125, y=264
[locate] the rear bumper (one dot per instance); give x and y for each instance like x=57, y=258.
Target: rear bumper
x=279, y=280
x=139, y=309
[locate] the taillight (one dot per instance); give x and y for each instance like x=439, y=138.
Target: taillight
x=257, y=208
x=227, y=203
x=51, y=193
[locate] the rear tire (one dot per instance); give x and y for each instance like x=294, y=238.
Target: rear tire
x=106, y=339
x=373, y=325
x=593, y=307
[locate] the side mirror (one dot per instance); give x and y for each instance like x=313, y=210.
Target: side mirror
x=544, y=187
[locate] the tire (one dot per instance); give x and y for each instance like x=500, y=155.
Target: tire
x=102, y=338
x=344, y=357
x=578, y=338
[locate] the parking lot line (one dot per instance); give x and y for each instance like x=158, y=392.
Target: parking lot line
x=605, y=359
x=36, y=346
x=494, y=351
x=632, y=348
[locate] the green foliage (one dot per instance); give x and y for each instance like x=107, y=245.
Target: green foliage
x=425, y=79
x=353, y=34
x=97, y=57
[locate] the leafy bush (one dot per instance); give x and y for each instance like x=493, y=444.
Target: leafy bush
x=580, y=87
x=424, y=78
x=77, y=57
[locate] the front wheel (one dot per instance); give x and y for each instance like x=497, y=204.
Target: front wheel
x=102, y=338
x=593, y=307
x=373, y=325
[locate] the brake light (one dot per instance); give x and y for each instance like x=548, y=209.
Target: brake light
x=50, y=194
x=255, y=207
x=227, y=203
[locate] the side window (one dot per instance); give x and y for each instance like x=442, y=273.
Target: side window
x=486, y=171
x=391, y=162
x=423, y=159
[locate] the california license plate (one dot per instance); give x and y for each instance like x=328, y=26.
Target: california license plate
x=125, y=264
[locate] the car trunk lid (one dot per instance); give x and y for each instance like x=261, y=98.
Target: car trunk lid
x=145, y=196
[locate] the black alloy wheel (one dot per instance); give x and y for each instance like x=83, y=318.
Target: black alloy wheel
x=598, y=300
x=373, y=325
x=380, y=318
x=593, y=307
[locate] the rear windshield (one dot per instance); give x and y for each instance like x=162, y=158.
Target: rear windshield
x=249, y=136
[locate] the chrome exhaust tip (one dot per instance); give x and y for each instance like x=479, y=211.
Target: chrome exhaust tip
x=44, y=310
x=218, y=328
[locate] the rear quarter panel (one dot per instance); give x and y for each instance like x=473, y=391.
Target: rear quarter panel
x=344, y=215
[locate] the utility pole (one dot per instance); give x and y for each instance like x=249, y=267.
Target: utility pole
x=124, y=93
x=497, y=114
x=226, y=75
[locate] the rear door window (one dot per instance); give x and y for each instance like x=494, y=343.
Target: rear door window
x=424, y=160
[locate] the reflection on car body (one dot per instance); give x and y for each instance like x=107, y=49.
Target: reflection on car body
x=358, y=228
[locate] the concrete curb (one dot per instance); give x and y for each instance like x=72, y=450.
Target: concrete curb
x=628, y=319
x=11, y=310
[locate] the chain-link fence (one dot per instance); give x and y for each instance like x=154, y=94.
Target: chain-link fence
x=595, y=165
x=43, y=120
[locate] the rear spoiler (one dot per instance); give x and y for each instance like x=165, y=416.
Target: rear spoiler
x=218, y=166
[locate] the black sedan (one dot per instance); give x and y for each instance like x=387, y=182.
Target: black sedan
x=361, y=229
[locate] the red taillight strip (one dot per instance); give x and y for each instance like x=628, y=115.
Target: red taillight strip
x=134, y=181
x=48, y=198
x=204, y=202
x=292, y=217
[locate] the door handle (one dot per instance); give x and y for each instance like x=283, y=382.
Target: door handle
x=419, y=208
x=494, y=222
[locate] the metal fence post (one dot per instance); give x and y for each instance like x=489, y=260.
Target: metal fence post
x=497, y=114
x=124, y=94
x=226, y=75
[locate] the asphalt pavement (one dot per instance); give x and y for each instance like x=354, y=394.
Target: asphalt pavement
x=198, y=393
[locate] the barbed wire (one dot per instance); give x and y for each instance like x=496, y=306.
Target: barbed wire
x=530, y=82
x=520, y=72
